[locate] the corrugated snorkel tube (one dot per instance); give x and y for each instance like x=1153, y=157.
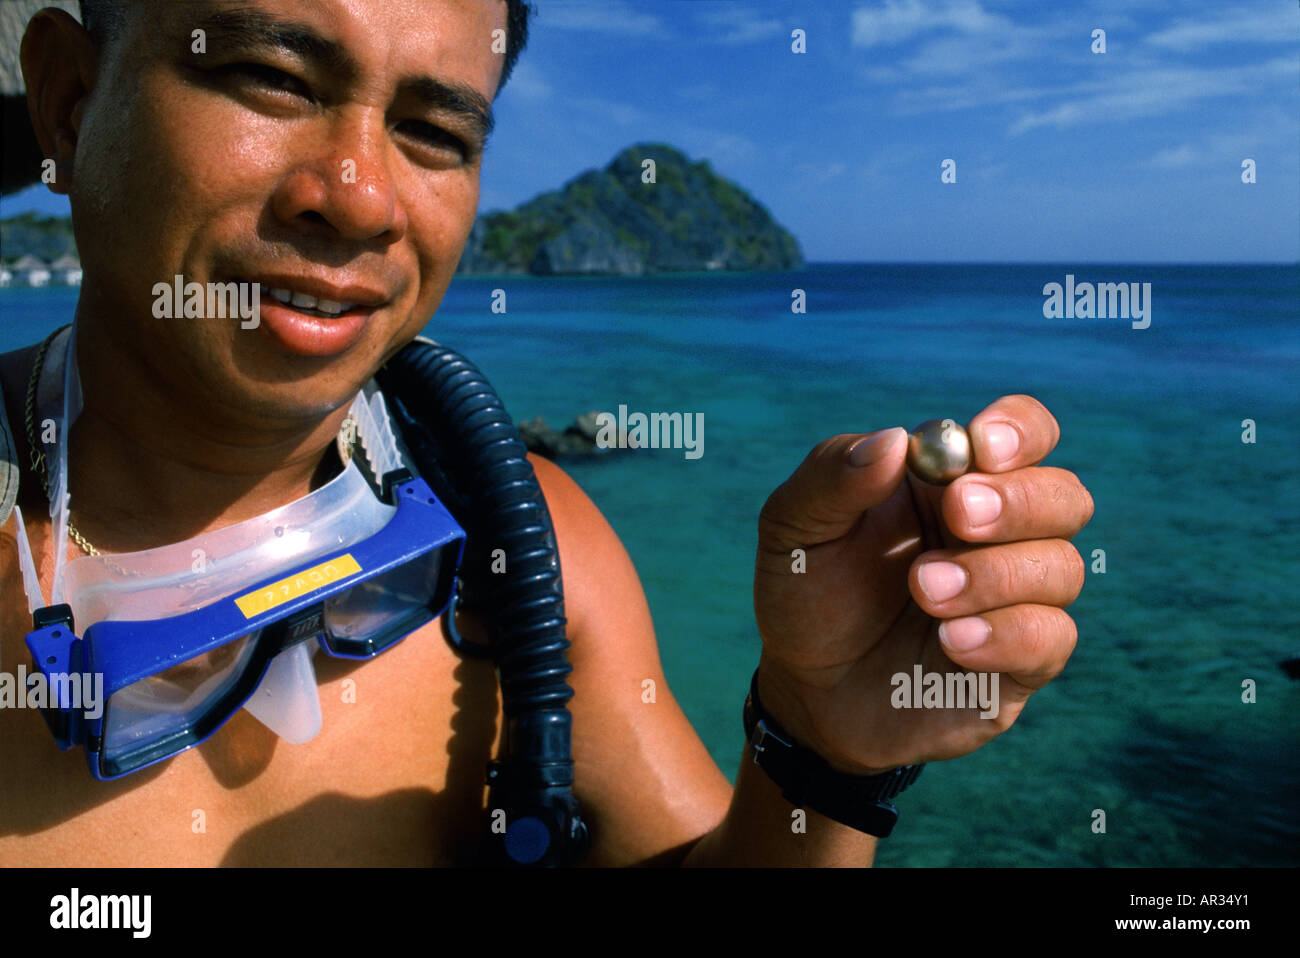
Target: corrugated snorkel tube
x=468, y=450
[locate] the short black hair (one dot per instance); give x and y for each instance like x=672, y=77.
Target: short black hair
x=103, y=21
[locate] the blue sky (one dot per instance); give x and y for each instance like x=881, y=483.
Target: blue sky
x=1062, y=154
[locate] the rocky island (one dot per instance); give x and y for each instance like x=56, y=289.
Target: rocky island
x=651, y=210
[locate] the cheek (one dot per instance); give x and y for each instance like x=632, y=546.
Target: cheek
x=200, y=166
x=446, y=216
x=148, y=175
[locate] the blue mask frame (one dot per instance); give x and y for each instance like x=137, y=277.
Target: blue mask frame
x=274, y=615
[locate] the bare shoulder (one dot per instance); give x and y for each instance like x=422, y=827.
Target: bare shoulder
x=592, y=557
x=649, y=787
x=604, y=601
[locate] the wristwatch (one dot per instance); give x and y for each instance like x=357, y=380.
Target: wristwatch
x=807, y=780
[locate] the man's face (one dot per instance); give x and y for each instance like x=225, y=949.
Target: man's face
x=330, y=147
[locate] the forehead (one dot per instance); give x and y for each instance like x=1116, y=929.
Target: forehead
x=452, y=37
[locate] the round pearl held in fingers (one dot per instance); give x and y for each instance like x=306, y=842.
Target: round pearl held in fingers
x=938, y=451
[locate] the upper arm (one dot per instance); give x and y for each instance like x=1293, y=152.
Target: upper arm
x=646, y=783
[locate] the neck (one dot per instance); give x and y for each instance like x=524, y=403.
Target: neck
x=147, y=468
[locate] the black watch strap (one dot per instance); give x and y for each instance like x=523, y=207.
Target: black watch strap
x=807, y=780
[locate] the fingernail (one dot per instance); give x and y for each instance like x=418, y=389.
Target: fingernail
x=962, y=635
x=872, y=448
x=940, y=581
x=1001, y=440
x=982, y=503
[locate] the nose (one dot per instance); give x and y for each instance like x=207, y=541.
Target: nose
x=344, y=182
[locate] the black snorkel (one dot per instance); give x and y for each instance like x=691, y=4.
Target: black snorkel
x=468, y=450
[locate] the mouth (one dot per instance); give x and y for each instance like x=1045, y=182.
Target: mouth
x=317, y=297
x=312, y=317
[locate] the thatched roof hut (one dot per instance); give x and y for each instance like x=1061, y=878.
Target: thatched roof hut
x=22, y=156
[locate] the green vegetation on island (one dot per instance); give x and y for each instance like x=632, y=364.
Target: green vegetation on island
x=31, y=234
x=624, y=221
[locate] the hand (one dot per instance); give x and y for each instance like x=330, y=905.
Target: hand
x=867, y=605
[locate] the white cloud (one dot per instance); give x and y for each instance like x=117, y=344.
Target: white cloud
x=884, y=74
x=609, y=16
x=1225, y=149
x=899, y=20
x=1067, y=114
x=1175, y=158
x=955, y=56
x=818, y=173
x=1278, y=25
x=617, y=112
x=722, y=148
x=1155, y=92
x=526, y=82
x=982, y=92
x=735, y=24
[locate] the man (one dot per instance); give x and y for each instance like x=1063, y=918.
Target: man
x=228, y=165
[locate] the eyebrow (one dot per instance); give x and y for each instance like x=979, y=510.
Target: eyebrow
x=250, y=27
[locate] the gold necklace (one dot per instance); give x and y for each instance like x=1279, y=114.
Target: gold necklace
x=346, y=439
x=37, y=453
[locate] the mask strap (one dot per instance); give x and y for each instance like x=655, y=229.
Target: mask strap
x=27, y=565
x=376, y=435
x=58, y=400
x=31, y=581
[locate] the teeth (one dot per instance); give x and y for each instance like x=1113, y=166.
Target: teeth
x=304, y=301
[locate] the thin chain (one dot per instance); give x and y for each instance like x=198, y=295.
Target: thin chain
x=39, y=464
x=346, y=443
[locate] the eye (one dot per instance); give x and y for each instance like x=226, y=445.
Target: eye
x=434, y=135
x=266, y=76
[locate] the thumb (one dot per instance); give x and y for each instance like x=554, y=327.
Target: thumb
x=839, y=480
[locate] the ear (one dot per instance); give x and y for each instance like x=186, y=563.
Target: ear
x=59, y=62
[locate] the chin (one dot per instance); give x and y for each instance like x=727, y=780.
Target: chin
x=297, y=403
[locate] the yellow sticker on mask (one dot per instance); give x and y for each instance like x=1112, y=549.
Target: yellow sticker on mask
x=278, y=593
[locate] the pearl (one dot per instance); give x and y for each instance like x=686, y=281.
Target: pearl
x=938, y=451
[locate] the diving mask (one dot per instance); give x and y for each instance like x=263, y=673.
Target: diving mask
x=185, y=634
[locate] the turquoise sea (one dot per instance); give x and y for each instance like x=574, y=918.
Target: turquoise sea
x=1199, y=529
